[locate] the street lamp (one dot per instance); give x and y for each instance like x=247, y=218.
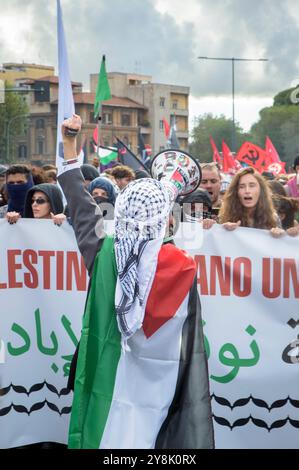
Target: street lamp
x=7, y=131
x=233, y=60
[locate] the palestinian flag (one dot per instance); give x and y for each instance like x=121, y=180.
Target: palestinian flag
x=107, y=155
x=154, y=393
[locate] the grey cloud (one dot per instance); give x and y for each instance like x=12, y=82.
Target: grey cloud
x=136, y=37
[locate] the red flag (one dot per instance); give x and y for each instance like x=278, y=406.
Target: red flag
x=95, y=135
x=271, y=151
x=216, y=155
x=148, y=149
x=229, y=163
x=166, y=128
x=276, y=166
x=254, y=156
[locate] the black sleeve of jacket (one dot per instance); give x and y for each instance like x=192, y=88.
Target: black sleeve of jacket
x=86, y=216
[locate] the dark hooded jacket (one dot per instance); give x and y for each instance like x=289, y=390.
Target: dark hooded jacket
x=106, y=185
x=52, y=192
x=89, y=172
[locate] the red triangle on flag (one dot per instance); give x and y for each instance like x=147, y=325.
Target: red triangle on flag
x=174, y=277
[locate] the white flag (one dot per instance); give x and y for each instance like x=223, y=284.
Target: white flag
x=66, y=106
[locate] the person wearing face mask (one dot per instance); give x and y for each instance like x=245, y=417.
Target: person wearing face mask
x=18, y=182
x=43, y=201
x=104, y=194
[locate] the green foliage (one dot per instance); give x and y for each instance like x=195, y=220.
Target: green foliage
x=217, y=127
x=286, y=97
x=12, y=123
x=281, y=124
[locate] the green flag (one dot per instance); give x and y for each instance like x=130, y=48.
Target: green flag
x=103, y=90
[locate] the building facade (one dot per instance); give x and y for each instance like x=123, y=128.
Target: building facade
x=11, y=71
x=161, y=101
x=120, y=118
x=136, y=105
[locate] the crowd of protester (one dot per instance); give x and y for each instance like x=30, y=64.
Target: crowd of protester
x=246, y=199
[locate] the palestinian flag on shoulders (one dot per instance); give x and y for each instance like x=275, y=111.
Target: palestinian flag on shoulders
x=153, y=393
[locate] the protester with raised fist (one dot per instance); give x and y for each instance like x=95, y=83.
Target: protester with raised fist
x=141, y=378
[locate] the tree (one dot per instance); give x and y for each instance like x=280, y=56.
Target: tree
x=13, y=122
x=281, y=123
x=286, y=97
x=217, y=127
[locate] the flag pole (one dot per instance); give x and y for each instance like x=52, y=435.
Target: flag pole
x=99, y=129
x=102, y=93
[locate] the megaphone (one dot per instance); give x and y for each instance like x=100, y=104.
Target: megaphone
x=178, y=169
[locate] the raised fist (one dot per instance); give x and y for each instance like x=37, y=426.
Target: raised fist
x=71, y=126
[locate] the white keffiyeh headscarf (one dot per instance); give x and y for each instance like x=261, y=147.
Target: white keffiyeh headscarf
x=141, y=215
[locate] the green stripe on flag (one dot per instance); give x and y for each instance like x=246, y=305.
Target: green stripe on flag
x=99, y=354
x=106, y=156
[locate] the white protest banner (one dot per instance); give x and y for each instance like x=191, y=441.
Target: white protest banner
x=248, y=284
x=43, y=286
x=249, y=289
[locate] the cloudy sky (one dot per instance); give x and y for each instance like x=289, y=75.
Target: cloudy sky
x=163, y=38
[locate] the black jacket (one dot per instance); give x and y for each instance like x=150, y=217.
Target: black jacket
x=51, y=191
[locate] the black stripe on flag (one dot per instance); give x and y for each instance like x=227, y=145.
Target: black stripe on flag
x=189, y=421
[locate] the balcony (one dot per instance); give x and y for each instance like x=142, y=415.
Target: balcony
x=179, y=112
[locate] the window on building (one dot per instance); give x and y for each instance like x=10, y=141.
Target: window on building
x=125, y=119
x=40, y=124
x=161, y=148
x=40, y=147
x=162, y=102
x=175, y=104
x=107, y=118
x=22, y=151
x=161, y=125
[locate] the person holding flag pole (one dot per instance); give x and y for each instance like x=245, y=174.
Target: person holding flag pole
x=141, y=378
x=102, y=94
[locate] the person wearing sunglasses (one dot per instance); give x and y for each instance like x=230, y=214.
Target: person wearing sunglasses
x=43, y=201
